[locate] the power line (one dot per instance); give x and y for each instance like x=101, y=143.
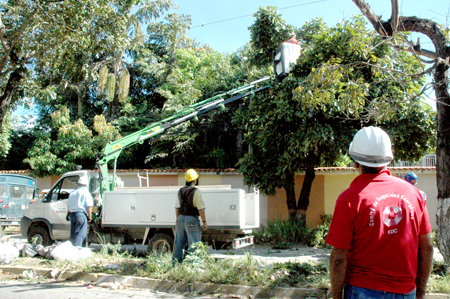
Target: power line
x=245, y=16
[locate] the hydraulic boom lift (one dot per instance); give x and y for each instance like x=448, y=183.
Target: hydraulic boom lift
x=286, y=54
x=113, y=149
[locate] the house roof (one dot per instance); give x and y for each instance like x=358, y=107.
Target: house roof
x=231, y=171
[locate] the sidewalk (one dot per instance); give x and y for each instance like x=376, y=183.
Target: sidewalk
x=264, y=253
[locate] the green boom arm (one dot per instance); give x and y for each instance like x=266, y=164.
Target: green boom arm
x=113, y=149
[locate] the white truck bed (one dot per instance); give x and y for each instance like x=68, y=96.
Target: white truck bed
x=226, y=208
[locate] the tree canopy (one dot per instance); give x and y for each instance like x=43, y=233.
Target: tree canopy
x=344, y=79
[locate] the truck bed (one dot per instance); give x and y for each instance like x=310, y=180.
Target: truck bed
x=226, y=208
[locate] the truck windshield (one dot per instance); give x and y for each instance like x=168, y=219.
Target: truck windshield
x=63, y=188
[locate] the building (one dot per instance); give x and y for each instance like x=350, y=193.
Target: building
x=328, y=184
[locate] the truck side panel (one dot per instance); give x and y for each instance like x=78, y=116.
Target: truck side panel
x=225, y=208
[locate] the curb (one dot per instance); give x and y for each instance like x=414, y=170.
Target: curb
x=175, y=287
x=172, y=286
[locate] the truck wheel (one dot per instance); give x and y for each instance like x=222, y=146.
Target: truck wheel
x=40, y=236
x=160, y=244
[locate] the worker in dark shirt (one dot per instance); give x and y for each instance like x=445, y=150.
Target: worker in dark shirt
x=189, y=208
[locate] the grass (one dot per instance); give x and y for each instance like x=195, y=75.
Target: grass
x=197, y=267
x=200, y=267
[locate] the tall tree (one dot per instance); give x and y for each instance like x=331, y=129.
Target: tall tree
x=439, y=69
x=210, y=141
x=338, y=84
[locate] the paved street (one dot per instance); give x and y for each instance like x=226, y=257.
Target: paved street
x=21, y=290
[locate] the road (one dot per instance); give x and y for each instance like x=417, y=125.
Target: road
x=13, y=289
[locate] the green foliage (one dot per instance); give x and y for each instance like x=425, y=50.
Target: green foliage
x=210, y=141
x=74, y=144
x=297, y=274
x=439, y=281
x=319, y=234
x=5, y=135
x=74, y=43
x=345, y=78
x=267, y=32
x=283, y=234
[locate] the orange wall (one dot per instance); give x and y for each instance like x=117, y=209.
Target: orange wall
x=162, y=180
x=277, y=207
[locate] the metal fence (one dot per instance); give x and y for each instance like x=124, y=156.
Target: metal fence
x=428, y=160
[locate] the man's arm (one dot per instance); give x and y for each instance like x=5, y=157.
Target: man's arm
x=425, y=264
x=203, y=216
x=89, y=213
x=338, y=265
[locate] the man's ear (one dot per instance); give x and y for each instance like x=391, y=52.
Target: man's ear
x=356, y=164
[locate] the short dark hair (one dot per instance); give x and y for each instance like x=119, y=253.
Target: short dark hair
x=191, y=183
x=371, y=170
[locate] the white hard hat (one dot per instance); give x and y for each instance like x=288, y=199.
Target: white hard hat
x=83, y=181
x=371, y=147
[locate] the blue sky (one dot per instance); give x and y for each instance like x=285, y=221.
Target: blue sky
x=226, y=22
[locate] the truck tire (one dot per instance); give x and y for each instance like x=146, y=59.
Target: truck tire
x=41, y=235
x=160, y=244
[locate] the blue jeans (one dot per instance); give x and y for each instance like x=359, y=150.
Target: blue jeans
x=188, y=231
x=351, y=292
x=78, y=228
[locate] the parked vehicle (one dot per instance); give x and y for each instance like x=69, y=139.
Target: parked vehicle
x=17, y=192
x=142, y=214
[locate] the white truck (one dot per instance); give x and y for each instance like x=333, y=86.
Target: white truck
x=142, y=214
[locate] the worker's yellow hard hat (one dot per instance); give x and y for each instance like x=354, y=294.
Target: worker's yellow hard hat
x=191, y=175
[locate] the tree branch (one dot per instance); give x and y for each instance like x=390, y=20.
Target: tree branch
x=394, y=15
x=22, y=30
x=410, y=24
x=3, y=34
x=383, y=28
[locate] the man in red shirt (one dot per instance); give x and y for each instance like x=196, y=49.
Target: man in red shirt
x=292, y=39
x=380, y=230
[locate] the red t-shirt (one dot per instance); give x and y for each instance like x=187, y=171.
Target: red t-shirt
x=379, y=220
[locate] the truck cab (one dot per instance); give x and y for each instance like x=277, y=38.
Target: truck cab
x=46, y=221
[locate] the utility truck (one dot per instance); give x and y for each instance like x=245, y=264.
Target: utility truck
x=147, y=214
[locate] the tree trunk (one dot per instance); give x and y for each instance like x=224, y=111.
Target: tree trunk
x=443, y=159
x=310, y=175
x=13, y=83
x=291, y=201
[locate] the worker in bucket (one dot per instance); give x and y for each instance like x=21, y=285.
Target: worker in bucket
x=292, y=39
x=189, y=208
x=80, y=212
x=411, y=177
x=380, y=231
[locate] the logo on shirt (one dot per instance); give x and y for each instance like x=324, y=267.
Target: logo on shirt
x=392, y=215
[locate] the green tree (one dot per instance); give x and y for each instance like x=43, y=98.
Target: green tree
x=75, y=144
x=339, y=83
x=211, y=141
x=88, y=75
x=267, y=32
